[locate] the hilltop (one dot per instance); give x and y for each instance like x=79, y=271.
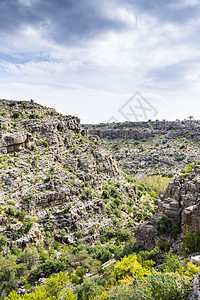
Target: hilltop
x=153, y=147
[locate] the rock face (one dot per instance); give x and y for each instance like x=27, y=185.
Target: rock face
x=151, y=148
x=56, y=178
x=15, y=141
x=181, y=201
x=34, y=120
x=196, y=288
x=143, y=130
x=122, y=133
x=145, y=236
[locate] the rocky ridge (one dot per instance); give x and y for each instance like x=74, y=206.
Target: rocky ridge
x=57, y=178
x=153, y=147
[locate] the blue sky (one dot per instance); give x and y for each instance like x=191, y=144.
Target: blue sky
x=87, y=58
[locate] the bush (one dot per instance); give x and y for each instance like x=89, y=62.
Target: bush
x=191, y=243
x=48, y=267
x=30, y=257
x=103, y=253
x=87, y=194
x=127, y=292
x=164, y=246
x=129, y=267
x=33, y=116
x=56, y=287
x=169, y=286
x=165, y=225
x=157, y=183
x=192, y=270
x=27, y=224
x=3, y=241
x=152, y=255
x=190, y=168
x=129, y=248
x=162, y=224
x=173, y=264
x=10, y=271
x=121, y=234
x=44, y=144
x=15, y=115
x=88, y=289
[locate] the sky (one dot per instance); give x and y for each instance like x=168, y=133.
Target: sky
x=103, y=61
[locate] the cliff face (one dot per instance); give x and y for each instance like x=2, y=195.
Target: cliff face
x=144, y=130
x=56, y=177
x=181, y=201
x=159, y=147
x=22, y=121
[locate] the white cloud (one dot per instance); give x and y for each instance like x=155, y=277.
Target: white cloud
x=184, y=3
x=93, y=79
x=27, y=2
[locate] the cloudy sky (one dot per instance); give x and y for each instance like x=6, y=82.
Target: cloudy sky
x=88, y=58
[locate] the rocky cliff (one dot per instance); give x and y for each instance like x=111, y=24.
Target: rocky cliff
x=181, y=201
x=56, y=178
x=153, y=147
x=142, y=130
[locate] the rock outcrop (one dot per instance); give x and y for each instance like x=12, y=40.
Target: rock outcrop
x=153, y=147
x=144, y=130
x=145, y=235
x=181, y=201
x=196, y=288
x=54, y=177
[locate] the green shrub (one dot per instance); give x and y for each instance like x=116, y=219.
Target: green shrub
x=27, y=224
x=10, y=271
x=15, y=115
x=102, y=253
x=129, y=248
x=165, y=225
x=150, y=255
x=88, y=289
x=164, y=246
x=192, y=270
x=56, y=287
x=44, y=144
x=33, y=116
x=191, y=243
x=49, y=267
x=30, y=257
x=11, y=211
x=3, y=241
x=87, y=194
x=162, y=224
x=190, y=168
x=156, y=183
x=173, y=264
x=170, y=286
x=28, y=198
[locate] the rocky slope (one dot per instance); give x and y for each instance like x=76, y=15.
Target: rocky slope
x=178, y=212
x=56, y=178
x=67, y=206
x=181, y=201
x=153, y=147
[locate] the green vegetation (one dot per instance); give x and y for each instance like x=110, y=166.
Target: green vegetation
x=156, y=183
x=191, y=243
x=80, y=244
x=132, y=276
x=164, y=225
